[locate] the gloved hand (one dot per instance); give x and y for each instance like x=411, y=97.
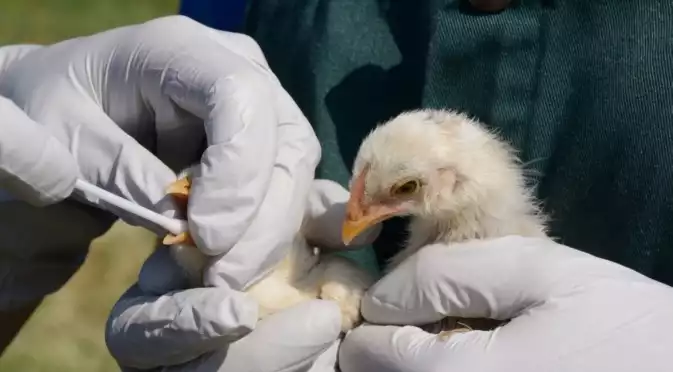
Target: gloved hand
x=135, y=104
x=572, y=312
x=201, y=329
x=40, y=171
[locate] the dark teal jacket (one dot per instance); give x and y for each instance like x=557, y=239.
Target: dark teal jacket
x=583, y=89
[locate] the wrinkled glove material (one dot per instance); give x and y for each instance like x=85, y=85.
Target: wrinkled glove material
x=570, y=311
x=130, y=107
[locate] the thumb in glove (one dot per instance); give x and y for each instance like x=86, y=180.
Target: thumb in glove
x=551, y=292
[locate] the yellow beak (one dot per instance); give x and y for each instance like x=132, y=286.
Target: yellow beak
x=352, y=227
x=359, y=217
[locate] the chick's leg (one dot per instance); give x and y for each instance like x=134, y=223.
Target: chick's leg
x=179, y=191
x=182, y=247
x=345, y=283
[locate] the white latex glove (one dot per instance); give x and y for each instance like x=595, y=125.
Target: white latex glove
x=34, y=166
x=572, y=312
x=170, y=328
x=137, y=103
x=132, y=105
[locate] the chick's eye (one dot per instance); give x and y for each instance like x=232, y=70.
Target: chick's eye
x=406, y=188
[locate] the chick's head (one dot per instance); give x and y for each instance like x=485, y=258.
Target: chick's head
x=428, y=164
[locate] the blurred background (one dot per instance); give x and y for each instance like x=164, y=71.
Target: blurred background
x=66, y=332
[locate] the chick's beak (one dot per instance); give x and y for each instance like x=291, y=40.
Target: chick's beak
x=360, y=217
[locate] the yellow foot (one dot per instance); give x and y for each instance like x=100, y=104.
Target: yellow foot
x=183, y=238
x=179, y=191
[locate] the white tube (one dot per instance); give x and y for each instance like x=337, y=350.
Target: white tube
x=171, y=225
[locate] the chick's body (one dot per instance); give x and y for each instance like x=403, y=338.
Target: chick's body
x=303, y=274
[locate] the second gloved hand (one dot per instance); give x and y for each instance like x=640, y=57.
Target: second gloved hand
x=570, y=311
x=156, y=325
x=132, y=106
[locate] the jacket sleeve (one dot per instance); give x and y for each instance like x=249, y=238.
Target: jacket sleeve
x=34, y=166
x=222, y=15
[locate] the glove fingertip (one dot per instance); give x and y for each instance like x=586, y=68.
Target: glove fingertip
x=325, y=318
x=391, y=348
x=292, y=339
x=368, y=348
x=160, y=274
x=238, y=315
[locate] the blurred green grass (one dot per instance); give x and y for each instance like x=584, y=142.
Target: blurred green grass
x=66, y=332
x=48, y=21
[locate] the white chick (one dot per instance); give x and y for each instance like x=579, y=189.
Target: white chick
x=304, y=274
x=455, y=179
